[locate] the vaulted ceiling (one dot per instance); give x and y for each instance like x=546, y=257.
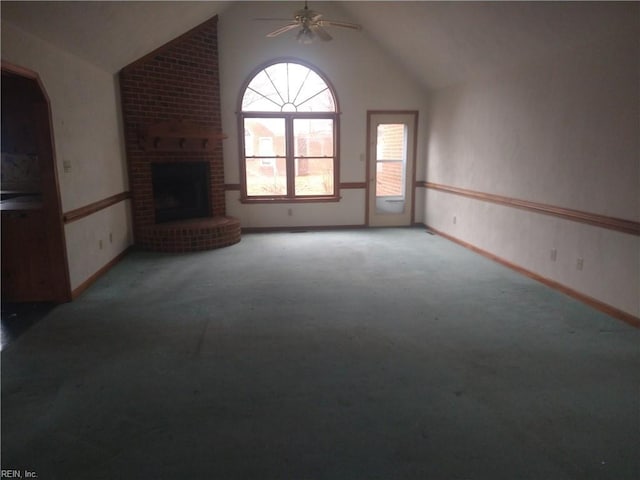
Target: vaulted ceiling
x=439, y=42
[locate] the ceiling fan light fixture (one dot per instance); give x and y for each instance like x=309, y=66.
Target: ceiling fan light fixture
x=312, y=25
x=305, y=36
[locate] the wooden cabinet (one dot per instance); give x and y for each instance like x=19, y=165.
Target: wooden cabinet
x=26, y=265
x=32, y=268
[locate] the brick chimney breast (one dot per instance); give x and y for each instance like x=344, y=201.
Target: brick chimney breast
x=177, y=86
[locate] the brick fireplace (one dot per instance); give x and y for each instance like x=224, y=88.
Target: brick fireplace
x=174, y=141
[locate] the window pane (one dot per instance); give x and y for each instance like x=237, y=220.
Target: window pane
x=391, y=141
x=264, y=137
x=321, y=101
x=314, y=176
x=389, y=179
x=314, y=95
x=266, y=176
x=313, y=137
x=278, y=75
x=297, y=76
x=261, y=95
x=288, y=87
x=276, y=148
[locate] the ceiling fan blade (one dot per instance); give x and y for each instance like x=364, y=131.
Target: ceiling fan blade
x=282, y=30
x=322, y=33
x=272, y=19
x=333, y=23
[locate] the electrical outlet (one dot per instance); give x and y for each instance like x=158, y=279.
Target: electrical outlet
x=455, y=220
x=100, y=244
x=579, y=263
x=553, y=255
x=290, y=212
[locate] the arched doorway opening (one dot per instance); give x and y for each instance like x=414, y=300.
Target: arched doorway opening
x=34, y=257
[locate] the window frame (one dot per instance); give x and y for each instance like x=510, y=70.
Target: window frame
x=289, y=156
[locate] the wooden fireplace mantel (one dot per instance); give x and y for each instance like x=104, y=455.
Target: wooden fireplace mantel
x=179, y=136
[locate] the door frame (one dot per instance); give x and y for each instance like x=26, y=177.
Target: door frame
x=52, y=203
x=369, y=153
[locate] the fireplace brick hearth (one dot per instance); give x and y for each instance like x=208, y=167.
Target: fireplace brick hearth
x=177, y=84
x=191, y=235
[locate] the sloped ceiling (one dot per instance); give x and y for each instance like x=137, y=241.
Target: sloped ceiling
x=439, y=42
x=108, y=34
x=450, y=42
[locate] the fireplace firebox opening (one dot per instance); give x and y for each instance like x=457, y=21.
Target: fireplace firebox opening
x=180, y=190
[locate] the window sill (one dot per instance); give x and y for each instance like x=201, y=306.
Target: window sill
x=263, y=200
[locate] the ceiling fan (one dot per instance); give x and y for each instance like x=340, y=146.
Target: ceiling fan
x=311, y=24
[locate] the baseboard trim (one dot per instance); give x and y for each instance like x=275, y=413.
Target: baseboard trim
x=592, y=302
x=301, y=229
x=76, y=292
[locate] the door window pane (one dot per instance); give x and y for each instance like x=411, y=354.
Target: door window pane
x=389, y=179
x=391, y=141
x=391, y=151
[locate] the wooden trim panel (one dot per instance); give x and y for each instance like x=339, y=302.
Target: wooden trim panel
x=300, y=229
x=232, y=187
x=92, y=279
x=273, y=200
x=621, y=225
x=592, y=302
x=23, y=72
x=353, y=185
x=92, y=208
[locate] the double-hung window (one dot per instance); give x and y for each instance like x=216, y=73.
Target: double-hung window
x=289, y=148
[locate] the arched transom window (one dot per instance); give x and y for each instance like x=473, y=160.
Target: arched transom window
x=289, y=148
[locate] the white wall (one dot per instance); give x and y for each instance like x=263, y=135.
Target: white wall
x=87, y=138
x=563, y=132
x=364, y=79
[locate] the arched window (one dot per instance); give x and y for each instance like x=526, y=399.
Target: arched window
x=289, y=117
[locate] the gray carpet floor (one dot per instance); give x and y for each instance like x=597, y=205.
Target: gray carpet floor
x=361, y=354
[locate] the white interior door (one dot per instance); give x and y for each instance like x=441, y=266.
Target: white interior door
x=391, y=163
